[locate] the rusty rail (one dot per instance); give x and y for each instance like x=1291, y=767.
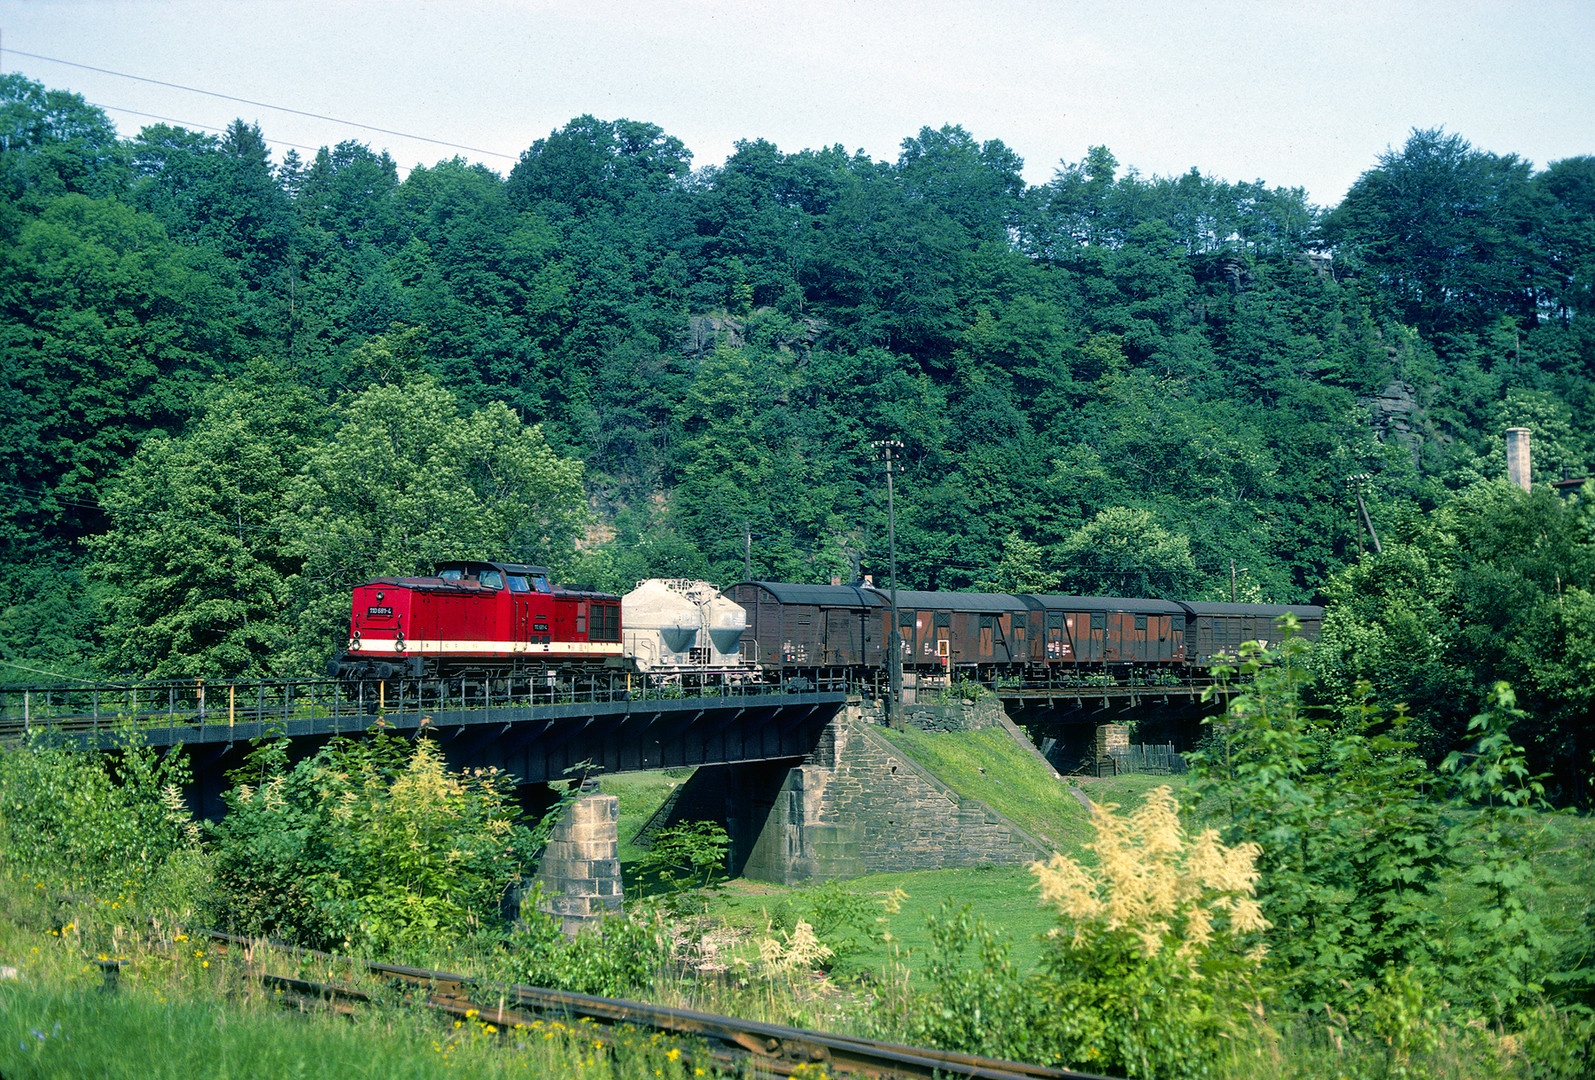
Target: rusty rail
x=743, y=1046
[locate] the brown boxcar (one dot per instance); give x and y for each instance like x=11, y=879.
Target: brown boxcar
x=1211, y=629
x=1014, y=633
x=811, y=627
x=1109, y=631
x=845, y=628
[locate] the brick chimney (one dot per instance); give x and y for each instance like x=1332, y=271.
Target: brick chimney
x=1518, y=465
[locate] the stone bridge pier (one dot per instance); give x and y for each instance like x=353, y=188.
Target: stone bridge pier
x=579, y=874
x=854, y=805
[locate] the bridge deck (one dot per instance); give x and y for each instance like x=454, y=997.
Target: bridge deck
x=535, y=734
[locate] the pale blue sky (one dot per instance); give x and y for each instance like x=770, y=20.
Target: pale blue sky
x=1295, y=94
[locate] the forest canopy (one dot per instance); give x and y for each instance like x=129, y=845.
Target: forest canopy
x=234, y=383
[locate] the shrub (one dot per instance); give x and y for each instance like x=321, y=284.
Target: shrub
x=1153, y=967
x=371, y=846
x=617, y=958
x=687, y=861
x=1156, y=958
x=104, y=820
x=1351, y=847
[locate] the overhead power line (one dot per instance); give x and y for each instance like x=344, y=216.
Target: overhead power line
x=263, y=105
x=194, y=126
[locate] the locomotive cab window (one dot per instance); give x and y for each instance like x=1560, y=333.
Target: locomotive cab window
x=540, y=583
x=518, y=583
x=492, y=579
x=606, y=622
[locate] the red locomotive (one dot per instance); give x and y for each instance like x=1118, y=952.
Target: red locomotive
x=477, y=618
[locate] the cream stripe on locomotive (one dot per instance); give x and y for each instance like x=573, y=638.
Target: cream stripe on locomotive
x=381, y=646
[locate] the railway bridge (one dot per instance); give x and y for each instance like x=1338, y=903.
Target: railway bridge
x=538, y=731
x=803, y=775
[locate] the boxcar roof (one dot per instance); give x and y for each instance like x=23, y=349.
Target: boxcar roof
x=817, y=595
x=956, y=601
x=1110, y=603
x=1022, y=601
x=1270, y=610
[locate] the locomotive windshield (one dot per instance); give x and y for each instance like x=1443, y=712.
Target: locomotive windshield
x=485, y=576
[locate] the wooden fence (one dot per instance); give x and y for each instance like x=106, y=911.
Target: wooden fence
x=1157, y=758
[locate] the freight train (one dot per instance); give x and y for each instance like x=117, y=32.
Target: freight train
x=492, y=620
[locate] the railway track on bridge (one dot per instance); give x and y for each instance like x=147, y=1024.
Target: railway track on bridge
x=328, y=705
x=336, y=707
x=723, y=1043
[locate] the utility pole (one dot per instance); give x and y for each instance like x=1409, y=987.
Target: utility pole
x=1357, y=483
x=890, y=449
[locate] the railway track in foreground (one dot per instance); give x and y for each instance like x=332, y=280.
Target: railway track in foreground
x=741, y=1047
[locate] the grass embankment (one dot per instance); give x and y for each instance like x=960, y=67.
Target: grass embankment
x=986, y=765
x=179, y=1011
x=990, y=766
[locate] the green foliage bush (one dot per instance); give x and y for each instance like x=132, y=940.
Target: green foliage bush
x=1362, y=848
x=620, y=957
x=97, y=821
x=370, y=846
x=1153, y=968
x=1352, y=846
x=684, y=862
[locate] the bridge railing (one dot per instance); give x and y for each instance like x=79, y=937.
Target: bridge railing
x=333, y=705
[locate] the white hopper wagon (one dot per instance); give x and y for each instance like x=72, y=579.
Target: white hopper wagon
x=677, y=627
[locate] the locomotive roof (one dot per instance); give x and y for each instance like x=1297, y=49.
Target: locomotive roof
x=475, y=566
x=508, y=568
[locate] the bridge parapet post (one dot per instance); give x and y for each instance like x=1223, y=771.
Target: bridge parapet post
x=580, y=869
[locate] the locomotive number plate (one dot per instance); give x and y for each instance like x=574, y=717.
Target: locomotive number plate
x=379, y=612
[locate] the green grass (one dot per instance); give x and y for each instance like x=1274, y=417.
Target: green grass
x=1003, y=896
x=180, y=1011
x=990, y=766
x=140, y=1034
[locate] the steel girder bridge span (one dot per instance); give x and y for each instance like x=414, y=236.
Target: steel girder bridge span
x=537, y=732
